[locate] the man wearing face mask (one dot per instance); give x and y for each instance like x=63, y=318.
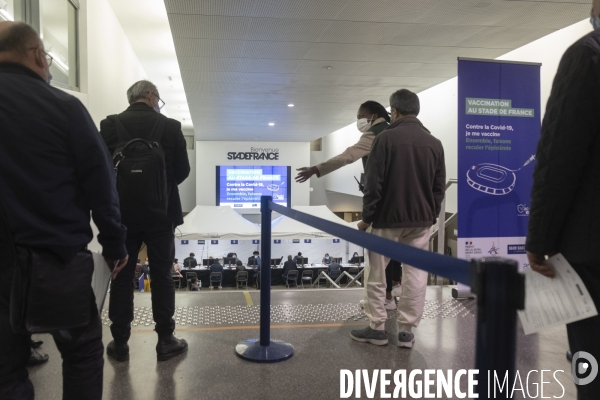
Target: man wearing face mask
x=142, y=120
x=372, y=119
x=568, y=161
x=54, y=171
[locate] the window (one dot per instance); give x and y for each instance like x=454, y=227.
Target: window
x=189, y=141
x=11, y=10
x=58, y=28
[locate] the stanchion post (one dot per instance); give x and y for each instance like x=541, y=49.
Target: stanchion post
x=265, y=350
x=265, y=271
x=500, y=290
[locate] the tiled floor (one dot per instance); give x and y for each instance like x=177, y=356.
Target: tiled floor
x=318, y=323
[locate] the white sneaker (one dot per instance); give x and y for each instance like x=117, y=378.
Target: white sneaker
x=390, y=305
x=397, y=290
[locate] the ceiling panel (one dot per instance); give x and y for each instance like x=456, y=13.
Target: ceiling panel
x=209, y=26
x=242, y=62
x=286, y=29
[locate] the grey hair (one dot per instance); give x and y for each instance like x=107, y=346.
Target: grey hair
x=405, y=102
x=138, y=90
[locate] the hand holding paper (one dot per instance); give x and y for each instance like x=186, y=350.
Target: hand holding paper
x=558, y=301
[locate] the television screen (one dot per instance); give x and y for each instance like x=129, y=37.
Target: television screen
x=242, y=186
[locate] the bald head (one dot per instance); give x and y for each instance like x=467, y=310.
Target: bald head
x=17, y=37
x=20, y=44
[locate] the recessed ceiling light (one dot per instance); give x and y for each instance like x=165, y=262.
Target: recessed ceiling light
x=290, y=105
x=271, y=123
x=328, y=67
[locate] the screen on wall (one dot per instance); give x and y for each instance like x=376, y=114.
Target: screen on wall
x=242, y=186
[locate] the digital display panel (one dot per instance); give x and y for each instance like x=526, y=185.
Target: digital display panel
x=243, y=186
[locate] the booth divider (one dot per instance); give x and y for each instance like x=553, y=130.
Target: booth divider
x=499, y=287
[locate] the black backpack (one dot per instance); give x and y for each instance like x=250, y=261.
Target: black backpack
x=141, y=176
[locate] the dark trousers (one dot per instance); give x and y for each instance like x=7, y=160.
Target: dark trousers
x=81, y=349
x=584, y=334
x=160, y=242
x=393, y=272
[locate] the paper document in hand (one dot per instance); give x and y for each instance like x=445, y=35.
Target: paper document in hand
x=558, y=301
x=100, y=280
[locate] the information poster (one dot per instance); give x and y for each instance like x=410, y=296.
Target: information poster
x=243, y=186
x=498, y=131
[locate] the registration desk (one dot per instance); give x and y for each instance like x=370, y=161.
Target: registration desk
x=229, y=274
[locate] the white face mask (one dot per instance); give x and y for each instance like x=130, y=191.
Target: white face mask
x=363, y=124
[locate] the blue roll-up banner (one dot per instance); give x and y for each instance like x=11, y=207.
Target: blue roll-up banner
x=498, y=131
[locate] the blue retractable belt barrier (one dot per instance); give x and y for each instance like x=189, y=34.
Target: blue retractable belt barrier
x=499, y=287
x=453, y=268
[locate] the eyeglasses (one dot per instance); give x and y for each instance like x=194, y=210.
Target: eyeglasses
x=161, y=103
x=49, y=58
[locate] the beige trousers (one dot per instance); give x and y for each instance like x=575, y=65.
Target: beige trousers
x=414, y=281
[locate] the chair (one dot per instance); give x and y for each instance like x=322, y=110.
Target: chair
x=320, y=278
x=176, y=281
x=136, y=279
x=188, y=278
x=307, y=276
x=241, y=277
x=216, y=277
x=291, y=276
x=334, y=271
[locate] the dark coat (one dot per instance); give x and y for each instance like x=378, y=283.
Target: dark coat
x=54, y=169
x=405, y=178
x=564, y=214
x=289, y=266
x=138, y=120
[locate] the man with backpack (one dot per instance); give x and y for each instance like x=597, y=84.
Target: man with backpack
x=150, y=157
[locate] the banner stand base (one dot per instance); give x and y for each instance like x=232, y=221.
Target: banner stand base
x=462, y=292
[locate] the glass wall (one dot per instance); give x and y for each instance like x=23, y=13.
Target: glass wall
x=58, y=28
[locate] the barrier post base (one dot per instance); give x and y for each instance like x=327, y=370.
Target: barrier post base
x=276, y=351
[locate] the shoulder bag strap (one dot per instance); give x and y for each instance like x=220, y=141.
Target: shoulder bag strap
x=158, y=130
x=122, y=133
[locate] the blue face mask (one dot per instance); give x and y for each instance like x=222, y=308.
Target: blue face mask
x=594, y=20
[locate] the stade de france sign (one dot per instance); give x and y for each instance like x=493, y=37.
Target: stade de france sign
x=255, y=153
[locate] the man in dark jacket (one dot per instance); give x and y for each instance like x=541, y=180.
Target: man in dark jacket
x=54, y=171
x=138, y=121
x=190, y=262
x=288, y=266
x=404, y=189
x=564, y=203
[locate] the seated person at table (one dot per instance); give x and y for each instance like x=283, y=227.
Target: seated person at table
x=190, y=262
x=176, y=271
x=354, y=260
x=216, y=266
x=239, y=265
x=288, y=266
x=255, y=259
x=334, y=270
x=297, y=257
x=194, y=285
x=326, y=260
